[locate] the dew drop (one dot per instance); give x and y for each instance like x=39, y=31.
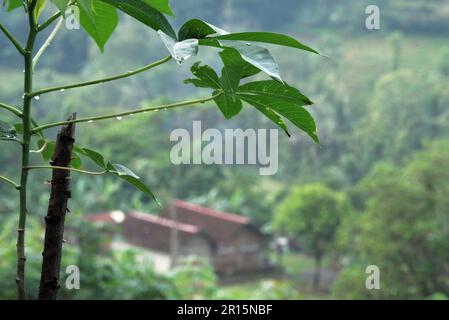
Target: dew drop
x=62, y=90
x=37, y=97
x=90, y=121
x=119, y=118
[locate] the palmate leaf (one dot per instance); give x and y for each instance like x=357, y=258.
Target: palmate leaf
x=143, y=11
x=182, y=50
x=98, y=19
x=234, y=69
x=259, y=57
x=206, y=77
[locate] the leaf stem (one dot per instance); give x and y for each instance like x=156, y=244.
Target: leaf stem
x=9, y=181
x=49, y=21
x=16, y=111
x=12, y=39
x=128, y=113
x=68, y=169
x=47, y=42
x=98, y=81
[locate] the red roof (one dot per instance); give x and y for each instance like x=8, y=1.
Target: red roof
x=164, y=222
x=100, y=217
x=220, y=226
x=211, y=212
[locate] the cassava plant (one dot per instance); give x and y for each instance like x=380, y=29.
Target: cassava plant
x=242, y=58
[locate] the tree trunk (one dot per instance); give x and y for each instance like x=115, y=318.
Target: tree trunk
x=317, y=274
x=57, y=208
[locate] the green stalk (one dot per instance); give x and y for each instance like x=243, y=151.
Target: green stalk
x=98, y=81
x=16, y=111
x=128, y=113
x=26, y=120
x=50, y=21
x=9, y=181
x=99, y=173
x=12, y=39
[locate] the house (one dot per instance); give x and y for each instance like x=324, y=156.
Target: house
x=239, y=244
x=228, y=241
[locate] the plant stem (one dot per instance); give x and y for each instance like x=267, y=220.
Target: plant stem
x=108, y=79
x=7, y=180
x=26, y=120
x=68, y=169
x=128, y=113
x=57, y=209
x=12, y=39
x=47, y=42
x=16, y=111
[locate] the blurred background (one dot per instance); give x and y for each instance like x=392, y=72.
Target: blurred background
x=374, y=193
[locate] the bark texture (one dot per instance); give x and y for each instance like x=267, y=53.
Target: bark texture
x=57, y=208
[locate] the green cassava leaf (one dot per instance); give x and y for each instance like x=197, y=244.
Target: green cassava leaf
x=95, y=156
x=47, y=147
x=273, y=116
x=276, y=90
x=207, y=34
x=206, y=77
x=198, y=29
x=99, y=19
x=271, y=97
x=145, y=13
x=229, y=104
x=12, y=4
x=182, y=50
x=61, y=4
x=7, y=132
x=40, y=6
x=130, y=177
x=161, y=6
x=234, y=69
x=265, y=37
x=259, y=57
x=76, y=162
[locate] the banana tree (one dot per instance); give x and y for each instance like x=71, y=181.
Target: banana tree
x=242, y=54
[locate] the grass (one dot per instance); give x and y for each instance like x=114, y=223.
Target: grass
x=292, y=286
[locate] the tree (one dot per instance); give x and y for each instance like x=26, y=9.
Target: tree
x=241, y=57
x=312, y=214
x=403, y=230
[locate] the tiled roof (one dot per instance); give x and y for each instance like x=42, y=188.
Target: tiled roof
x=220, y=226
